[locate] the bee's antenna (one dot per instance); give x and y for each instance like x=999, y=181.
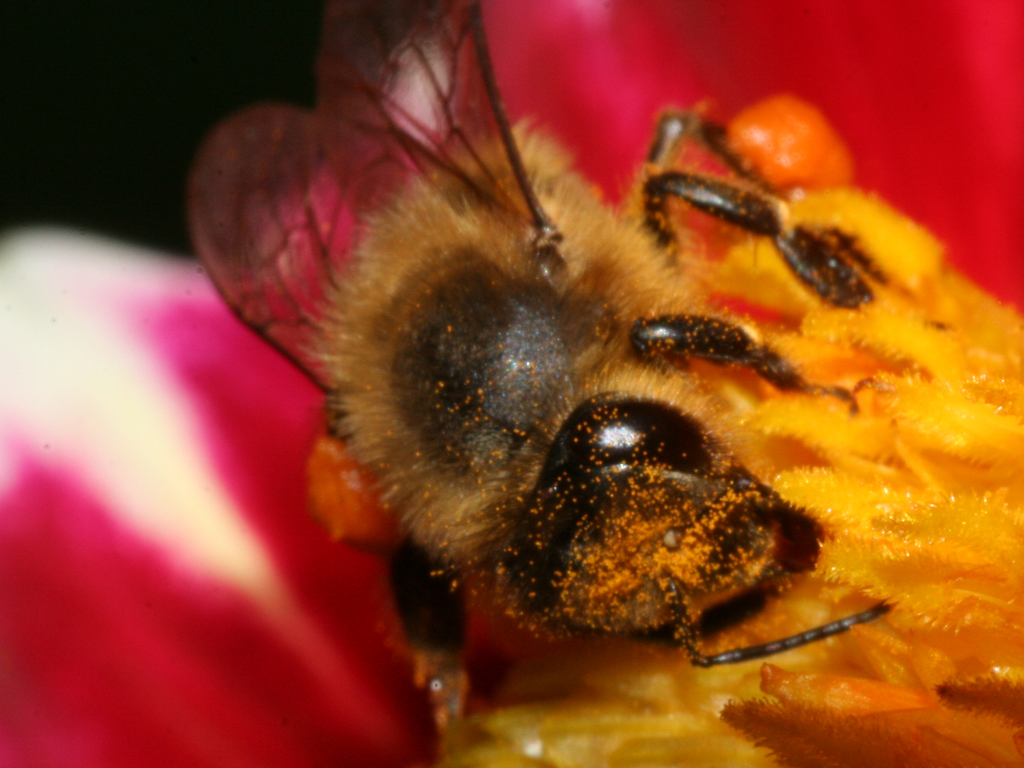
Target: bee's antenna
x=737, y=655
x=548, y=234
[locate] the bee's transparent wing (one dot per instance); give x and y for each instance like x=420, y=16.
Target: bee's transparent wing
x=269, y=221
x=277, y=195
x=400, y=89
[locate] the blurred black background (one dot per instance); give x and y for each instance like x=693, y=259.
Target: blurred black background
x=104, y=102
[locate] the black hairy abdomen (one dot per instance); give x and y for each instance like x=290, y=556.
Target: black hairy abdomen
x=484, y=360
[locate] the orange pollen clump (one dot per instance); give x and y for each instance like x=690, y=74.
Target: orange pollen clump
x=342, y=498
x=791, y=144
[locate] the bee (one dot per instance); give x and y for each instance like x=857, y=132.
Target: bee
x=507, y=354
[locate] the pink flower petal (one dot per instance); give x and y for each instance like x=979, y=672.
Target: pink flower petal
x=164, y=599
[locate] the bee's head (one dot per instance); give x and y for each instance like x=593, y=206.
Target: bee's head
x=637, y=509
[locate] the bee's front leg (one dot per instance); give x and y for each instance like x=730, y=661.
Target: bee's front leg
x=675, y=127
x=431, y=609
x=721, y=343
x=827, y=261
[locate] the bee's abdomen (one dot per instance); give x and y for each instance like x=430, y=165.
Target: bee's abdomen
x=484, y=361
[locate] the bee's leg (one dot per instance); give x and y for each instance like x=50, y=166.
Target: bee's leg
x=828, y=261
x=722, y=343
x=674, y=127
x=432, y=614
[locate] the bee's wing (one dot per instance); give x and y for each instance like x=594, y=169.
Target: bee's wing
x=277, y=195
x=400, y=89
x=269, y=221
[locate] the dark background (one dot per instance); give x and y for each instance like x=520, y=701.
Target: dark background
x=104, y=102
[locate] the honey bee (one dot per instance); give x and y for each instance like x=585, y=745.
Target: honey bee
x=507, y=354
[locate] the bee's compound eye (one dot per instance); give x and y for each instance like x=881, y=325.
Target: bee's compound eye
x=613, y=432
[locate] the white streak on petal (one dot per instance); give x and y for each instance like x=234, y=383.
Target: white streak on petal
x=83, y=393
